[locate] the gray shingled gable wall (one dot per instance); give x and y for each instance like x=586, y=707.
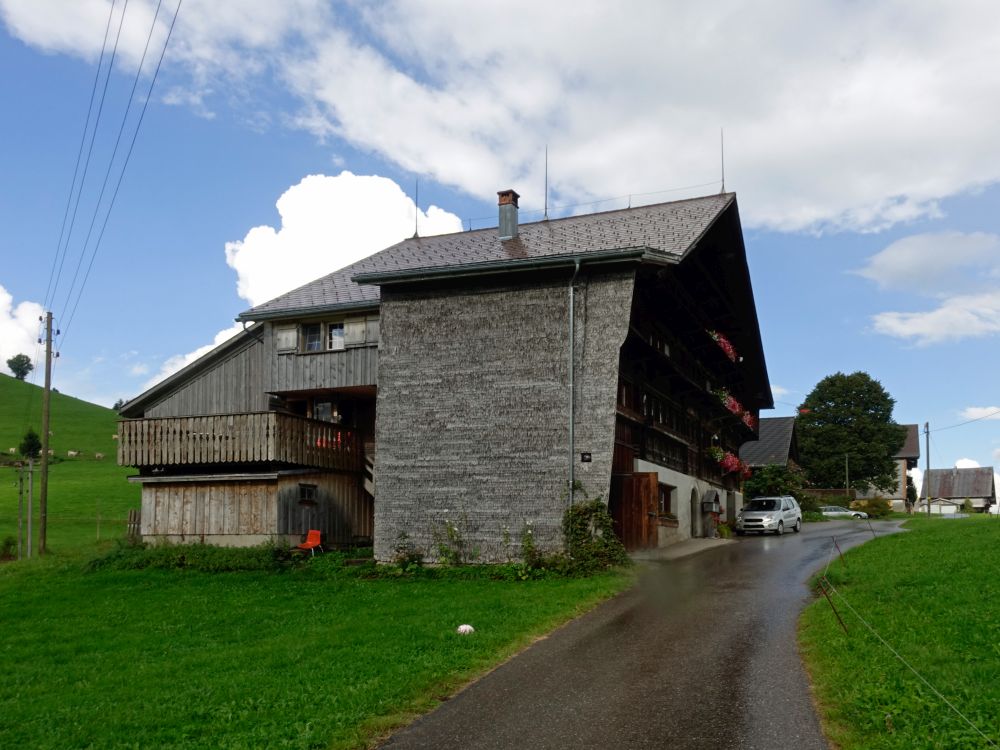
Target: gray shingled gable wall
x=472, y=418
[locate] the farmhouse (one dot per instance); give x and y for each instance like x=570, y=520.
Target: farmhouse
x=948, y=489
x=467, y=382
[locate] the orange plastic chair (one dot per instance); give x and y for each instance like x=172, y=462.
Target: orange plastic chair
x=312, y=542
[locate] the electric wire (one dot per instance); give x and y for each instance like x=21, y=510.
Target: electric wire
x=111, y=160
x=121, y=175
x=988, y=415
x=90, y=150
x=79, y=154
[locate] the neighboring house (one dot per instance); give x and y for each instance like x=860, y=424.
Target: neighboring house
x=466, y=381
x=777, y=444
x=950, y=488
x=906, y=458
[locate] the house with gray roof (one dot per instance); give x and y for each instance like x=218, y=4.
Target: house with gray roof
x=480, y=381
x=776, y=444
x=948, y=489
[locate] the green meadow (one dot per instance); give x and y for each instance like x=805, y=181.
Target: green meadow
x=931, y=593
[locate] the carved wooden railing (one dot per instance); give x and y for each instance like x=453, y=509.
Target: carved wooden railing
x=253, y=437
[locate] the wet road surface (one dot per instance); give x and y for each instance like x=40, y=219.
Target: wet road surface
x=700, y=654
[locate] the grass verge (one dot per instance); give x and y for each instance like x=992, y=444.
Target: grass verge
x=307, y=657
x=932, y=594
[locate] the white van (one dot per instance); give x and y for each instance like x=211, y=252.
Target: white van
x=763, y=514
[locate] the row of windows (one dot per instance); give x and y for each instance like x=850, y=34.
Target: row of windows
x=327, y=337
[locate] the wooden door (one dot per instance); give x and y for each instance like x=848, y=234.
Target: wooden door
x=633, y=508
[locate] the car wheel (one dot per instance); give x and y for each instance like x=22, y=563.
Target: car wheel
x=798, y=525
x=858, y=515
x=781, y=528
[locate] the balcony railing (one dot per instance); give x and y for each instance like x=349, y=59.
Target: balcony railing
x=248, y=438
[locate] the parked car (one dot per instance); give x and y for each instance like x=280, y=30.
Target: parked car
x=838, y=511
x=764, y=514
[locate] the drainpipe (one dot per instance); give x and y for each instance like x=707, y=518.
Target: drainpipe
x=572, y=384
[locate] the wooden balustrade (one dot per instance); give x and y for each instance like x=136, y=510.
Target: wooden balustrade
x=254, y=437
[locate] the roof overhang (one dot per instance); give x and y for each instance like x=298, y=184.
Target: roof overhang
x=310, y=311
x=493, y=268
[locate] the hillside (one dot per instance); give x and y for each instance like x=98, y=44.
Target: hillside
x=80, y=487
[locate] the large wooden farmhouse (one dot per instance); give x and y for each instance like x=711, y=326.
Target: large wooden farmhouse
x=469, y=381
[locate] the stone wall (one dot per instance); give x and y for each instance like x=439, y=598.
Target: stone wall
x=472, y=421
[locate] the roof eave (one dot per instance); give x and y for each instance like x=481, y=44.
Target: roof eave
x=298, y=312
x=491, y=268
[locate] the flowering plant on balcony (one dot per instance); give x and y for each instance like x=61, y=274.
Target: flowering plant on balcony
x=730, y=462
x=749, y=420
x=729, y=402
x=716, y=453
x=725, y=344
x=745, y=471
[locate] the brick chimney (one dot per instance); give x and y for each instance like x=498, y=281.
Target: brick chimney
x=508, y=214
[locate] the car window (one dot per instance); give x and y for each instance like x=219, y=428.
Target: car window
x=762, y=503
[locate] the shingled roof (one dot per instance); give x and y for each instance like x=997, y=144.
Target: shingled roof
x=911, y=445
x=776, y=443
x=960, y=483
x=666, y=231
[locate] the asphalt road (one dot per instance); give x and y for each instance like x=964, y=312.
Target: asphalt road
x=701, y=654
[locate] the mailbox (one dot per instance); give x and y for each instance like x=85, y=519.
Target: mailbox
x=712, y=506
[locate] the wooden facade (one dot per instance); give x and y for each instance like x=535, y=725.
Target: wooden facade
x=260, y=437
x=248, y=510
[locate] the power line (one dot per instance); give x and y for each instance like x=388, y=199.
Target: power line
x=121, y=175
x=111, y=160
x=90, y=150
x=969, y=421
x=79, y=153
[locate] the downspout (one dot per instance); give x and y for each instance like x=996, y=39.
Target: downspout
x=572, y=383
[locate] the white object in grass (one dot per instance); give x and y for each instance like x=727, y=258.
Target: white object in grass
x=465, y=630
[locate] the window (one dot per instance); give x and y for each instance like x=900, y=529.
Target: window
x=307, y=494
x=285, y=338
x=354, y=331
x=335, y=336
x=665, y=496
x=312, y=337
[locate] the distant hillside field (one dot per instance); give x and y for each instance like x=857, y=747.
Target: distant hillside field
x=80, y=488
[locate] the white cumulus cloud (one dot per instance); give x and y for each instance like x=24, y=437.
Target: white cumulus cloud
x=19, y=327
x=967, y=463
x=981, y=412
x=327, y=223
x=836, y=115
x=180, y=361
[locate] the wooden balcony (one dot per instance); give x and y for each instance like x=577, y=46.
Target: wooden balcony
x=249, y=438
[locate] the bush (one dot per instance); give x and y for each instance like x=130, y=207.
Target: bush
x=206, y=558
x=591, y=544
x=8, y=548
x=876, y=507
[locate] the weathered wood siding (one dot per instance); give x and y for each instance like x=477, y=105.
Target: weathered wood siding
x=342, y=511
x=296, y=372
x=263, y=437
x=473, y=409
x=233, y=384
x=249, y=512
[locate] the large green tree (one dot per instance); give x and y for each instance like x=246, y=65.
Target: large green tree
x=20, y=365
x=846, y=423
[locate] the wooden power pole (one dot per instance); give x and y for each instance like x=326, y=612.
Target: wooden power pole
x=927, y=464
x=43, y=498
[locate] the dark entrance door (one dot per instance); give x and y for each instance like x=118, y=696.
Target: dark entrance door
x=633, y=508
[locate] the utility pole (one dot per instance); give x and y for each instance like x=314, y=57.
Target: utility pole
x=927, y=470
x=43, y=498
x=31, y=503
x=20, y=510
x=847, y=477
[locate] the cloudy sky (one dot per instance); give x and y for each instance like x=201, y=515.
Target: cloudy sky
x=283, y=140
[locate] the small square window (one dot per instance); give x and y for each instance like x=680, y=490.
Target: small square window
x=335, y=336
x=312, y=337
x=285, y=339
x=354, y=331
x=307, y=494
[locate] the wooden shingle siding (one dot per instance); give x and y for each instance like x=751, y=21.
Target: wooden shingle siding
x=473, y=409
x=237, y=439
x=234, y=384
x=349, y=367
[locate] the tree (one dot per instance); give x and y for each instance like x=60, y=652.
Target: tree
x=31, y=445
x=117, y=406
x=845, y=427
x=20, y=365
x=768, y=481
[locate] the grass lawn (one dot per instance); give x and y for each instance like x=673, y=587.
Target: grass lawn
x=305, y=658
x=933, y=594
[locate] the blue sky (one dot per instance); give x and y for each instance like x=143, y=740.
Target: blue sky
x=283, y=140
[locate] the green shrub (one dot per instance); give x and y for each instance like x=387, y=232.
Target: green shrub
x=876, y=507
x=725, y=530
x=8, y=548
x=813, y=515
x=127, y=555
x=591, y=544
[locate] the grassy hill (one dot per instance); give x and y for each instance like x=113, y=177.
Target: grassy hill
x=80, y=488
